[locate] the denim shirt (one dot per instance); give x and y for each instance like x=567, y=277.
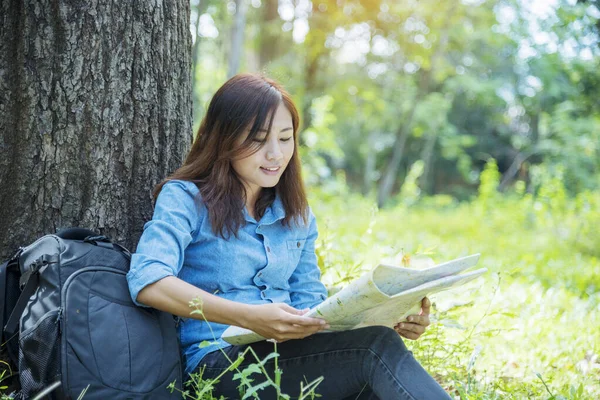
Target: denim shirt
x=268, y=262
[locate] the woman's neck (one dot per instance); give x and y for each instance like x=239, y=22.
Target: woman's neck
x=251, y=197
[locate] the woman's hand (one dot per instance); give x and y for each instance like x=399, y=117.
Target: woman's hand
x=415, y=325
x=282, y=322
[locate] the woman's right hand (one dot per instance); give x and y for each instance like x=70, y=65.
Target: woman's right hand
x=282, y=322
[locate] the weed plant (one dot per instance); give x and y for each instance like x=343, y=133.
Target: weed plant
x=249, y=387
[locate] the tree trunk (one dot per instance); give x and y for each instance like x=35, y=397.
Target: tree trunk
x=95, y=109
x=237, y=38
x=370, y=167
x=428, y=157
x=391, y=171
x=196, y=106
x=515, y=167
x=316, y=54
x=269, y=33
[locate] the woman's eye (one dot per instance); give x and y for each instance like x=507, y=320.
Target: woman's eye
x=286, y=139
x=257, y=140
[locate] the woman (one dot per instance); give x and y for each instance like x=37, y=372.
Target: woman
x=232, y=228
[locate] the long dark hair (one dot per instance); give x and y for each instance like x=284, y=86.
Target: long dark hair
x=246, y=100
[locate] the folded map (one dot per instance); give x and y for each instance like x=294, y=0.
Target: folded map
x=384, y=296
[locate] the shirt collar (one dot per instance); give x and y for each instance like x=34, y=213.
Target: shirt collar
x=273, y=213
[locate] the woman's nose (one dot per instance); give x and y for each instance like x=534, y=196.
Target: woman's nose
x=274, y=152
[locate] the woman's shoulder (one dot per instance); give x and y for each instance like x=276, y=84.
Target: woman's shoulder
x=180, y=195
x=177, y=185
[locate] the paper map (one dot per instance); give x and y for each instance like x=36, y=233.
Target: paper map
x=384, y=296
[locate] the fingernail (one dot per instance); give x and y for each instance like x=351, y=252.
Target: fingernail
x=401, y=326
x=410, y=319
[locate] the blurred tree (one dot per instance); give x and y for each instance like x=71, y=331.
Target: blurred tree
x=270, y=31
x=555, y=121
x=432, y=68
x=596, y=4
x=198, y=10
x=95, y=109
x=449, y=83
x=236, y=51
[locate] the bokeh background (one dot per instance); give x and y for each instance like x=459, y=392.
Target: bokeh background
x=437, y=129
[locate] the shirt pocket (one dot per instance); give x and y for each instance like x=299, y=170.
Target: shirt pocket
x=294, y=250
x=296, y=244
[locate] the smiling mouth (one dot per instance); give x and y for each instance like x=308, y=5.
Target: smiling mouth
x=273, y=169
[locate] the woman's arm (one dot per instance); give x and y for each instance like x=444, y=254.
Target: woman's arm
x=174, y=295
x=272, y=321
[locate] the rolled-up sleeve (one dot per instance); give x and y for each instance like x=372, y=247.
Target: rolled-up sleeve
x=161, y=248
x=306, y=288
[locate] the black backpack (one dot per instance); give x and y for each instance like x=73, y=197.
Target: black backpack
x=71, y=326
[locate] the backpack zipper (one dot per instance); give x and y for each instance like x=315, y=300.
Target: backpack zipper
x=59, y=320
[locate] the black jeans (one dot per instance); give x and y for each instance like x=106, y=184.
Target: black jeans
x=372, y=362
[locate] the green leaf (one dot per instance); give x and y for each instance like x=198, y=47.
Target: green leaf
x=269, y=357
x=255, y=389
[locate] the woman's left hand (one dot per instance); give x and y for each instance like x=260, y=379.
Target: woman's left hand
x=415, y=325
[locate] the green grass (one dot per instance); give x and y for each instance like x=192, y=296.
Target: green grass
x=531, y=327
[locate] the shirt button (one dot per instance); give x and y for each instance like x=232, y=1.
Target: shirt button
x=298, y=244
x=268, y=249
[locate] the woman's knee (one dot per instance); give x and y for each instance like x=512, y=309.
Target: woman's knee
x=383, y=339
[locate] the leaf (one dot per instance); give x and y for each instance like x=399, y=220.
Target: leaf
x=249, y=370
x=267, y=358
x=255, y=389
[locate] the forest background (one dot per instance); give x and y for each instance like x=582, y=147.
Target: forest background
x=440, y=129
x=433, y=130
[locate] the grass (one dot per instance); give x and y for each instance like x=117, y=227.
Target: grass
x=531, y=327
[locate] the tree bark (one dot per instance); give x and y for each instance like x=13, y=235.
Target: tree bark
x=95, y=109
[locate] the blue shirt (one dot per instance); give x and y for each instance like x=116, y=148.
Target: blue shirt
x=267, y=262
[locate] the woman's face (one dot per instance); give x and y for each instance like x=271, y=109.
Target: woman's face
x=264, y=168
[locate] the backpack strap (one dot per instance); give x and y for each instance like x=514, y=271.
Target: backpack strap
x=3, y=274
x=29, y=282
x=75, y=233
x=91, y=237
x=3, y=282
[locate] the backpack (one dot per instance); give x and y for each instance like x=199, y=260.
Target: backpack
x=71, y=326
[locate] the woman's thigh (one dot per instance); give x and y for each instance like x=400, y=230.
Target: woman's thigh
x=351, y=362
